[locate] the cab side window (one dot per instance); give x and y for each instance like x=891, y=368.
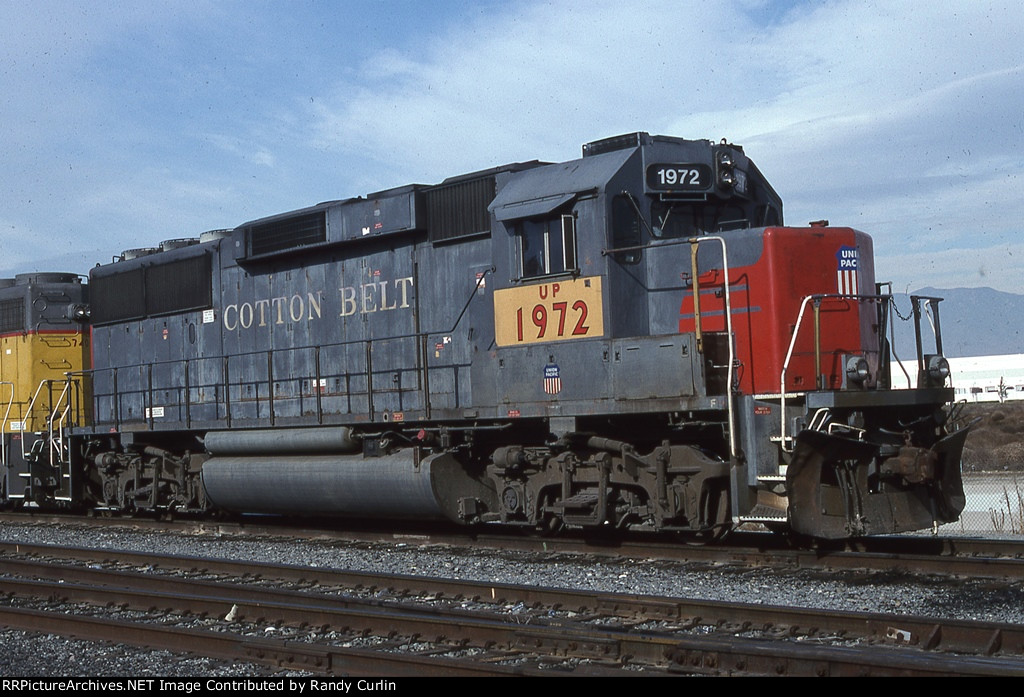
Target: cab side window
x=626, y=229
x=547, y=246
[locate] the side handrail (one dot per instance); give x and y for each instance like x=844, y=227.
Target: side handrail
x=420, y=337
x=931, y=304
x=816, y=299
x=61, y=411
x=3, y=426
x=931, y=312
x=56, y=416
x=28, y=414
x=695, y=242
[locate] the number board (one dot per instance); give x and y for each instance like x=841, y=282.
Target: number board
x=679, y=177
x=555, y=311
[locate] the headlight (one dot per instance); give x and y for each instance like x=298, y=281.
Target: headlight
x=938, y=368
x=857, y=370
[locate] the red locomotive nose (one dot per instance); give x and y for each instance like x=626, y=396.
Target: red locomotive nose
x=766, y=298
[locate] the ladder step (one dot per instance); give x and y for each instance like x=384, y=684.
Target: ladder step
x=762, y=513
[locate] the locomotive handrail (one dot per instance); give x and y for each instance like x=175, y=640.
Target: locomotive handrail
x=670, y=243
x=932, y=310
x=265, y=386
x=262, y=352
x=65, y=399
x=816, y=298
x=932, y=305
x=56, y=416
x=694, y=244
x=149, y=416
x=889, y=327
x=28, y=411
x=785, y=366
x=3, y=426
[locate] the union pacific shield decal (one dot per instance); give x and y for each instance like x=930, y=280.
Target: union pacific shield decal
x=552, y=379
x=846, y=271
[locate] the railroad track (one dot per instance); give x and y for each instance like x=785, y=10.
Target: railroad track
x=326, y=620
x=977, y=558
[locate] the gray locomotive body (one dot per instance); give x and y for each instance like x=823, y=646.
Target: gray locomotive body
x=591, y=343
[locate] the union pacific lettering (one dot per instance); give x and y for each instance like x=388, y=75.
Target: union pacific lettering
x=365, y=298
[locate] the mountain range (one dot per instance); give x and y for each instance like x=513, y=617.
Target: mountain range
x=974, y=322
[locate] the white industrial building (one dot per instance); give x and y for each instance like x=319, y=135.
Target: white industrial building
x=979, y=378
x=988, y=378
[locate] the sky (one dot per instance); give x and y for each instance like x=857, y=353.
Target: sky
x=123, y=124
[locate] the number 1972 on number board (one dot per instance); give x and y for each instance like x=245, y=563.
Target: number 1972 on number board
x=555, y=311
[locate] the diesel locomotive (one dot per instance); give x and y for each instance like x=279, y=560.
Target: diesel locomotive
x=631, y=339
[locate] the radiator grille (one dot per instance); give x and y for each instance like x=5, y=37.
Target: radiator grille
x=181, y=285
x=156, y=289
x=459, y=210
x=118, y=297
x=289, y=233
x=12, y=315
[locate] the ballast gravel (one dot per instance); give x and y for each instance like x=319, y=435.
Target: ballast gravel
x=23, y=654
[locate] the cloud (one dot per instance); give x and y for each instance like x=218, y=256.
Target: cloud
x=533, y=79
x=895, y=117
x=241, y=147
x=126, y=125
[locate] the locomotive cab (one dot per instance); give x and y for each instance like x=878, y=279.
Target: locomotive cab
x=655, y=288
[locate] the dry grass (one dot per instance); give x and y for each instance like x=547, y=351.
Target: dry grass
x=1010, y=518
x=996, y=443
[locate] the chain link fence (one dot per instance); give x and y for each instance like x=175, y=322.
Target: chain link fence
x=993, y=470
x=995, y=505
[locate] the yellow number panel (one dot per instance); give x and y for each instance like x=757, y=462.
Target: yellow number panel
x=553, y=311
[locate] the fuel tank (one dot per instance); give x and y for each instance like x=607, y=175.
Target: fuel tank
x=398, y=485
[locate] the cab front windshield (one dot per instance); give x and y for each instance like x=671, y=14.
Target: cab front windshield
x=672, y=219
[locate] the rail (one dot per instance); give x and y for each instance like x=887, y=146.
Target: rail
x=266, y=385
x=885, y=320
x=62, y=410
x=31, y=408
x=694, y=243
x=932, y=311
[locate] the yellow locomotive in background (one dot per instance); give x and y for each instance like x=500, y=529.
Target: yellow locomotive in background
x=44, y=338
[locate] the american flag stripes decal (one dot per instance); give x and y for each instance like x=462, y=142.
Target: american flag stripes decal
x=846, y=282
